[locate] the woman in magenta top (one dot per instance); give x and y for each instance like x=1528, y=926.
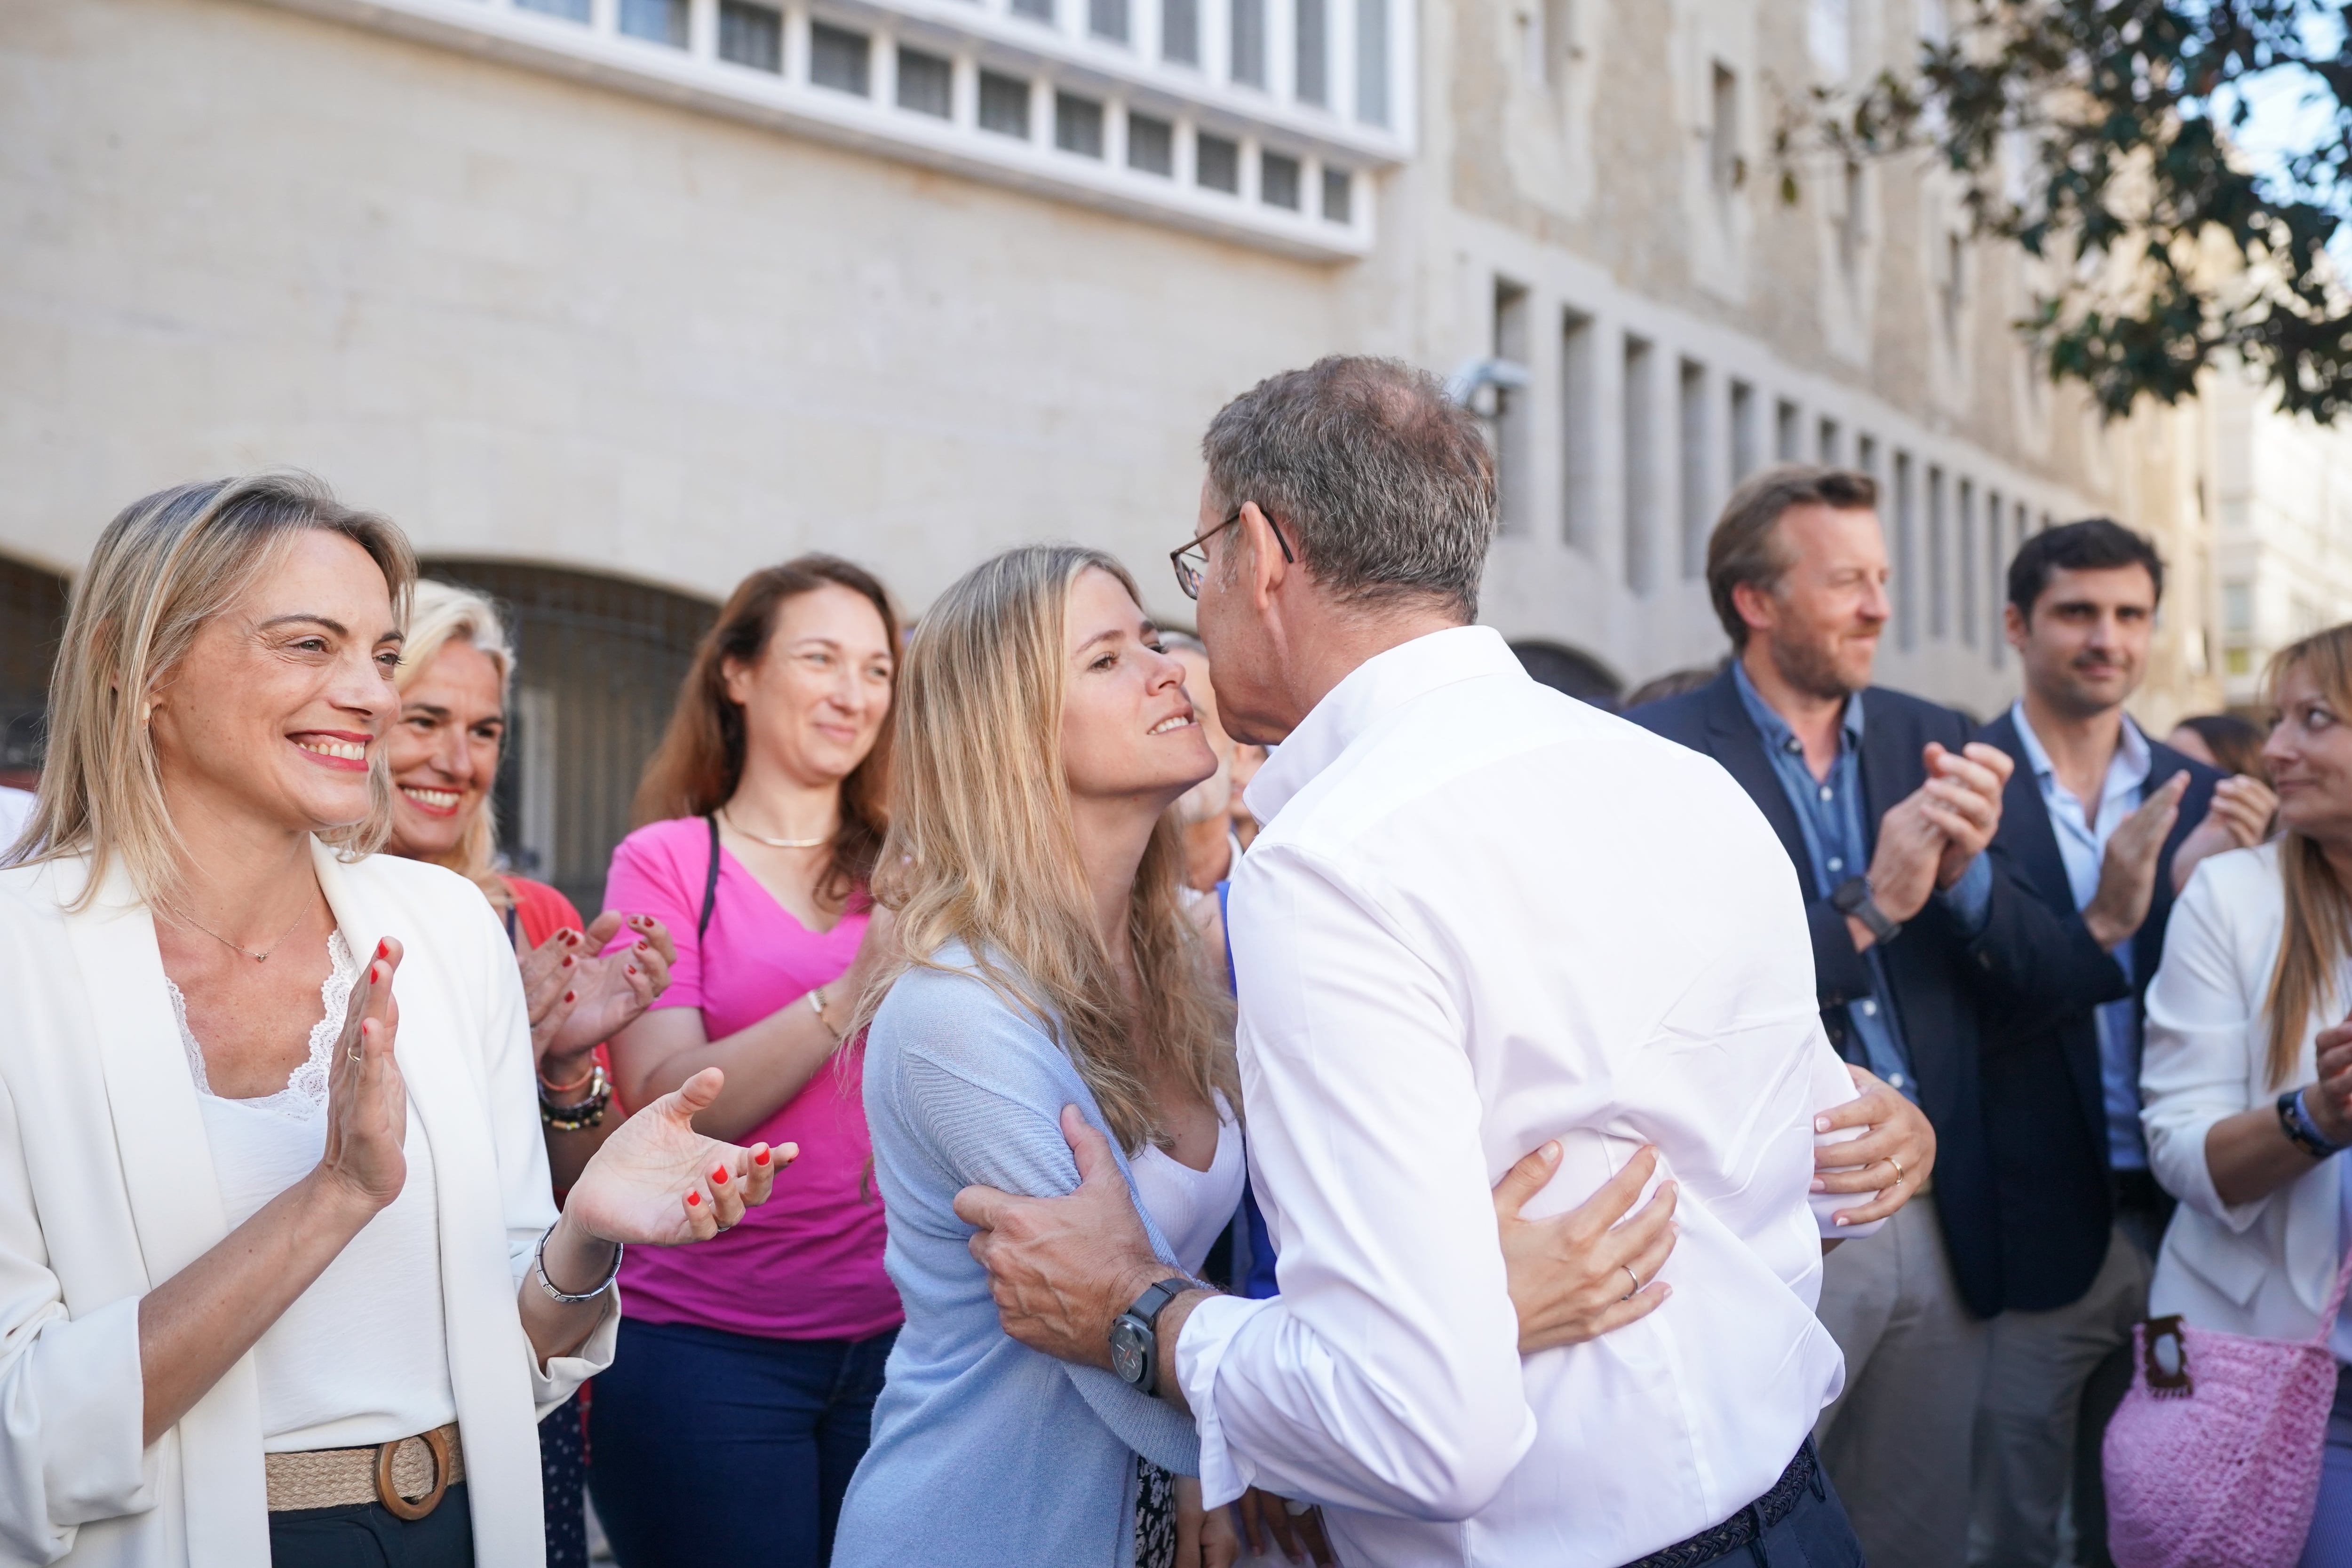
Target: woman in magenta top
x=765, y=808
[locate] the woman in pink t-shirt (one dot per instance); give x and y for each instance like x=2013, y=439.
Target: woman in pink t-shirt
x=765, y=808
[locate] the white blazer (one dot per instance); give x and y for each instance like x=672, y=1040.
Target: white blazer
x=107, y=1190
x=2260, y=1268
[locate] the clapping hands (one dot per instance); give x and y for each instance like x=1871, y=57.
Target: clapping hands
x=579, y=996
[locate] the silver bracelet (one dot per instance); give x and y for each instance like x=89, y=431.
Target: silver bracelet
x=538, y=1267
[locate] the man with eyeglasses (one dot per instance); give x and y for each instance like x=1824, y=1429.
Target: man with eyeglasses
x=1481, y=917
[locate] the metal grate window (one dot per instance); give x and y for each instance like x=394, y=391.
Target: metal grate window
x=926, y=83
x=1151, y=144
x=1216, y=163
x=1277, y=180
x=656, y=21
x=600, y=665
x=837, y=58
x=1004, y=105
x=1077, y=125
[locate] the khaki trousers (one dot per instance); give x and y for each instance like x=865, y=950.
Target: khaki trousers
x=2034, y=1377
x=1897, y=1440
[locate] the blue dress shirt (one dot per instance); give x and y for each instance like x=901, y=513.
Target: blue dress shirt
x=1829, y=812
x=2082, y=845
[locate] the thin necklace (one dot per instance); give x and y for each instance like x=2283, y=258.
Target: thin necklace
x=774, y=844
x=261, y=957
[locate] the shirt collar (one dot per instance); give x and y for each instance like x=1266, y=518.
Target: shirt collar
x=2127, y=771
x=1386, y=681
x=1777, y=736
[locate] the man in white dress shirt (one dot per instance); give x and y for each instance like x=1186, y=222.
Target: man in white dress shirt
x=1480, y=916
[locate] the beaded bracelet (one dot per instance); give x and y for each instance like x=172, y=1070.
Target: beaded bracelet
x=587, y=1113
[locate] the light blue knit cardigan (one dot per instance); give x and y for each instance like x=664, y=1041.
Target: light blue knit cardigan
x=984, y=1451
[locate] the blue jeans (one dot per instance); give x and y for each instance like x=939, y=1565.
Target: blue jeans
x=721, y=1449
x=1815, y=1534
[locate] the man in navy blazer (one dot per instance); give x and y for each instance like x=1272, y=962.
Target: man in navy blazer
x=2104, y=824
x=1920, y=933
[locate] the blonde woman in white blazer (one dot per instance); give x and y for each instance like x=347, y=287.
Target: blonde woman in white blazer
x=2247, y=1081
x=280, y=1273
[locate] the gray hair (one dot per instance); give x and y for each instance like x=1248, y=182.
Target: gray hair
x=1382, y=485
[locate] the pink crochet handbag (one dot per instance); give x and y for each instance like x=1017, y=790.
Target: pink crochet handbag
x=2213, y=1457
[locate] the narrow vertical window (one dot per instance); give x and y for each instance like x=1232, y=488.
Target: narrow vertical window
x=570, y=10
x=1372, y=62
x=1277, y=179
x=1248, y=61
x=1077, y=125
x=1865, y=455
x=750, y=36
x=1967, y=536
x=1786, y=441
x=1997, y=574
x=1314, y=54
x=1745, y=453
x=926, y=83
x=1108, y=19
x=1907, y=555
x=1217, y=163
x=1513, y=427
x=1641, y=487
x=1831, y=444
x=1726, y=171
x=1338, y=189
x=1940, y=623
x=655, y=21
x=1151, y=144
x=1004, y=105
x=1180, y=31
x=1698, y=490
x=837, y=58
x=1579, y=434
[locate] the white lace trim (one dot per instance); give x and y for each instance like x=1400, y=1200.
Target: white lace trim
x=305, y=1094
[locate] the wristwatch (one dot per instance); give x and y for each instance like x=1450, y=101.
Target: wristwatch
x=1854, y=897
x=1135, y=1337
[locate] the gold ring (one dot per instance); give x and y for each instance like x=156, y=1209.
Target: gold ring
x=354, y=1054
x=1637, y=1282
x=1899, y=1169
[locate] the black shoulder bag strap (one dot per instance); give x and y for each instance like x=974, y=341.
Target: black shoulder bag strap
x=709, y=884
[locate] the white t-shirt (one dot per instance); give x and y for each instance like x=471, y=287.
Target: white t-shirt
x=1193, y=1207
x=361, y=1357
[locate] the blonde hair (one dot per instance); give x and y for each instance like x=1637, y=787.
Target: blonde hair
x=164, y=566
x=981, y=850
x=443, y=614
x=2318, y=936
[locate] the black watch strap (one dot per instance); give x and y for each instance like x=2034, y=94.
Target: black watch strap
x=1855, y=896
x=1141, y=1322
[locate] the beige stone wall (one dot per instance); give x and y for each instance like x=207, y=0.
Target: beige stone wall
x=535, y=319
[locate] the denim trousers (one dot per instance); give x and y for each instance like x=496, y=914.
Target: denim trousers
x=723, y=1448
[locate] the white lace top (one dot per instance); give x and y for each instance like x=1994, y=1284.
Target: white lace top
x=360, y=1358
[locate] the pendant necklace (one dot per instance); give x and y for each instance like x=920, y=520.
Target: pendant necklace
x=263, y=956
x=775, y=843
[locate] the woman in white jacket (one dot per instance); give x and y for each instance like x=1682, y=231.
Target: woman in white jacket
x=2247, y=1082
x=280, y=1279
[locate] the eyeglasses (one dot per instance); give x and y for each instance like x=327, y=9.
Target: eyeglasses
x=1191, y=560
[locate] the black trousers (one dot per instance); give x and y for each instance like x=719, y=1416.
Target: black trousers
x=1816, y=1533
x=368, y=1535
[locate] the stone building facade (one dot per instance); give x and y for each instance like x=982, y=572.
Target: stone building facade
x=654, y=291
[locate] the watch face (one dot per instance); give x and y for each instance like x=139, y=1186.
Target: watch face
x=1130, y=1350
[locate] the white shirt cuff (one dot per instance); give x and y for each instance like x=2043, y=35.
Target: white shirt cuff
x=1200, y=1350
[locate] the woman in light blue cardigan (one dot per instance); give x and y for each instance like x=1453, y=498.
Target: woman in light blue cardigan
x=1033, y=869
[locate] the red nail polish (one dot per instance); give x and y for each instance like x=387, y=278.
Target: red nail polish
x=693, y=1199
x=645, y=946
x=632, y=969
x=568, y=961
x=760, y=1158
x=718, y=1176
x=571, y=996
x=382, y=948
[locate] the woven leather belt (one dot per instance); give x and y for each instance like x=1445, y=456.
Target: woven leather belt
x=409, y=1476
x=1745, y=1527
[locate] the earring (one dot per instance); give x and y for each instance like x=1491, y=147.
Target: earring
x=146, y=712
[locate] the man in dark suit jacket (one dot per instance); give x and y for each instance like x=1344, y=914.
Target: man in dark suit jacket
x=1919, y=931
x=2102, y=824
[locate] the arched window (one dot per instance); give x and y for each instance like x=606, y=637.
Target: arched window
x=599, y=663
x=32, y=618
x=1580, y=676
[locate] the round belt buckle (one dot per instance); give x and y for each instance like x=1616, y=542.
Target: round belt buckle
x=386, y=1493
